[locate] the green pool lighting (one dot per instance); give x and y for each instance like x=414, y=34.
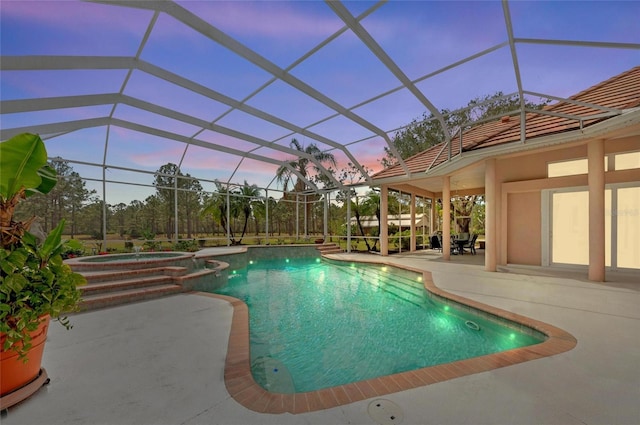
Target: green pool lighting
x=512, y=336
x=446, y=308
x=250, y=261
x=287, y=260
x=233, y=272
x=317, y=260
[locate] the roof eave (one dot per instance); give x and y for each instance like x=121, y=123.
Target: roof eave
x=627, y=119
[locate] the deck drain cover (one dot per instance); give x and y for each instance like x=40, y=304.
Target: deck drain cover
x=385, y=412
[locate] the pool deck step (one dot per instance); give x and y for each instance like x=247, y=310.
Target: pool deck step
x=111, y=275
x=93, y=302
x=329, y=248
x=115, y=287
x=124, y=284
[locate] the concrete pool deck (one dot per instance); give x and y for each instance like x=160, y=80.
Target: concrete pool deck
x=162, y=361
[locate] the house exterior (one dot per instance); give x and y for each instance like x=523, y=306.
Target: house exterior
x=561, y=185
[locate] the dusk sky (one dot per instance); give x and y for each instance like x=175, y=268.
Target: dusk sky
x=420, y=37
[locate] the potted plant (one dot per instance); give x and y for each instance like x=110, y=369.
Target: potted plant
x=35, y=284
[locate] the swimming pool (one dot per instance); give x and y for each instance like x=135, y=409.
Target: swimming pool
x=316, y=325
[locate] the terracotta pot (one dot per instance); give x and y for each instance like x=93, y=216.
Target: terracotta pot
x=15, y=373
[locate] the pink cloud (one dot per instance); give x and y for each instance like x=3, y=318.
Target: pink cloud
x=60, y=13
x=156, y=158
x=279, y=20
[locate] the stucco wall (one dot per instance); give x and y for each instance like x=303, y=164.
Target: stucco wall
x=522, y=203
x=523, y=228
x=534, y=166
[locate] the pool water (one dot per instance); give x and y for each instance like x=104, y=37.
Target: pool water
x=315, y=324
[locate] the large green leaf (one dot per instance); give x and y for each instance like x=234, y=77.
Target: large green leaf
x=22, y=159
x=49, y=180
x=53, y=244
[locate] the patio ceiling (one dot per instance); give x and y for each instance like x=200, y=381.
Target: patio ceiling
x=221, y=88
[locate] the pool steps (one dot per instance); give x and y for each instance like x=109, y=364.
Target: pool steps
x=140, y=281
x=125, y=296
x=115, y=287
x=407, y=288
x=329, y=248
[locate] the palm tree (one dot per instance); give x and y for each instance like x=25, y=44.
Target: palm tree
x=240, y=202
x=243, y=203
x=371, y=206
x=216, y=207
x=303, y=165
x=260, y=213
x=284, y=174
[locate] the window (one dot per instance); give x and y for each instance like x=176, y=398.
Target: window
x=572, y=168
x=627, y=161
x=567, y=168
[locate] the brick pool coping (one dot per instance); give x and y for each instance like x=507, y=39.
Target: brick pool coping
x=243, y=388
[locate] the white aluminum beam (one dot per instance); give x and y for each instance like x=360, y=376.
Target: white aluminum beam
x=516, y=67
x=24, y=105
x=213, y=33
x=386, y=60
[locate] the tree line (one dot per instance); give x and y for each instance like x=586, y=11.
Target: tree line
x=181, y=206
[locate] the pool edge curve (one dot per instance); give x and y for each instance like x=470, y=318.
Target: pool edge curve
x=244, y=390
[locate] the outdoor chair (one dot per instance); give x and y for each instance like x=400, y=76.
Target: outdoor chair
x=435, y=243
x=472, y=244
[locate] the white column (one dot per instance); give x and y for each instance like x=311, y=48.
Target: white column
x=434, y=216
x=412, y=246
x=228, y=217
x=297, y=217
x=175, y=207
x=306, y=219
x=491, y=210
x=595, y=155
x=384, y=221
x=325, y=227
x=446, y=218
x=266, y=216
x=348, y=220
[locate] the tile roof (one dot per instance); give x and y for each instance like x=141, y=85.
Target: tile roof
x=619, y=92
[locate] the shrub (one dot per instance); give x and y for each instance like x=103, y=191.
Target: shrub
x=186, y=245
x=72, y=248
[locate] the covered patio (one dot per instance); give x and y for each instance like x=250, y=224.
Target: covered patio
x=520, y=166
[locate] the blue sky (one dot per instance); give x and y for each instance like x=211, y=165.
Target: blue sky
x=421, y=37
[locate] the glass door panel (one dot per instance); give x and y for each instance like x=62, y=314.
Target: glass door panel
x=570, y=228
x=627, y=213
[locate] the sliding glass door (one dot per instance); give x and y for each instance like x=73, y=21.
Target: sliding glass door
x=627, y=217
x=568, y=238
